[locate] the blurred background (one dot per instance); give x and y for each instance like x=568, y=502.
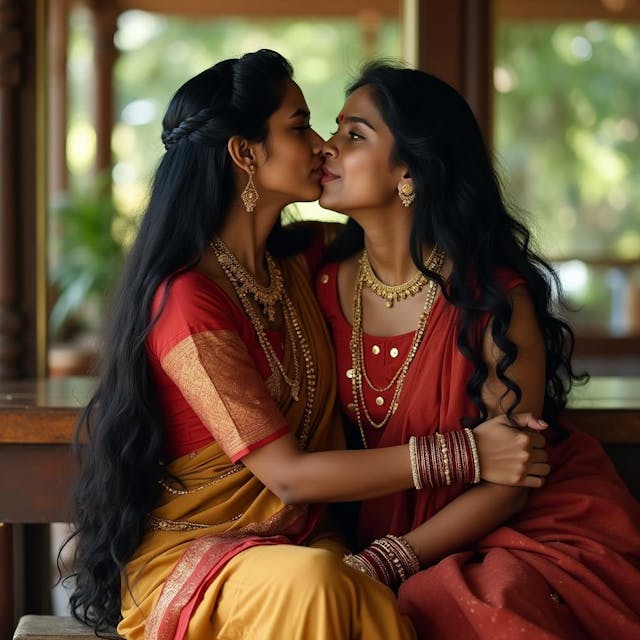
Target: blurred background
x=565, y=100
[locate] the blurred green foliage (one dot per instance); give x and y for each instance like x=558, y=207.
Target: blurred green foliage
x=566, y=133
x=566, y=120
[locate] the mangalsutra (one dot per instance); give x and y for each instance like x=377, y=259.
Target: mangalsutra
x=434, y=263
x=391, y=292
x=244, y=286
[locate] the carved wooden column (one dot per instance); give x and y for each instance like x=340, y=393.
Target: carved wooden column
x=456, y=43
x=11, y=48
x=105, y=21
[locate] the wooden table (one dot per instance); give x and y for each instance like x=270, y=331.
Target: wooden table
x=37, y=420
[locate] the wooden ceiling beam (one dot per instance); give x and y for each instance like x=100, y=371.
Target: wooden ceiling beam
x=262, y=8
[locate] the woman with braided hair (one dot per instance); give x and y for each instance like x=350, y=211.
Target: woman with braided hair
x=209, y=436
x=442, y=314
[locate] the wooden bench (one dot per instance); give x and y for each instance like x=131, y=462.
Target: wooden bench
x=55, y=628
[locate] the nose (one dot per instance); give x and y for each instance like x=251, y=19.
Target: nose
x=328, y=149
x=316, y=143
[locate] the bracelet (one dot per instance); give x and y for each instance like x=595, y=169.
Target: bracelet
x=413, y=457
x=390, y=560
x=444, y=459
x=474, y=455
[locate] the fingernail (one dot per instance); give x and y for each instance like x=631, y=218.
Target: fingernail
x=543, y=423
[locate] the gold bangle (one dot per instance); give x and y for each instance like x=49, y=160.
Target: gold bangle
x=413, y=457
x=474, y=454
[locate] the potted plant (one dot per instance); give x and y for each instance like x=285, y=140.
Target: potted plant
x=85, y=262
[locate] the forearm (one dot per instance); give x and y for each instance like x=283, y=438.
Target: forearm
x=340, y=476
x=335, y=476
x=464, y=521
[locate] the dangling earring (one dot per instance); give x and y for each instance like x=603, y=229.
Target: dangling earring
x=250, y=194
x=406, y=193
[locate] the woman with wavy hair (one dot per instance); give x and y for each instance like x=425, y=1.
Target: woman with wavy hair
x=443, y=316
x=208, y=437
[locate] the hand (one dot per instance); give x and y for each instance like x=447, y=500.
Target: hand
x=511, y=451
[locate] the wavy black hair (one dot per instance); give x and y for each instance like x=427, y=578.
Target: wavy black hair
x=459, y=205
x=119, y=439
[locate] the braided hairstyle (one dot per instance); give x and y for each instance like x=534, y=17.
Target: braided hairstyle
x=190, y=195
x=459, y=206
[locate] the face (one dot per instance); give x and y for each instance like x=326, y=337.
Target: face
x=288, y=162
x=358, y=174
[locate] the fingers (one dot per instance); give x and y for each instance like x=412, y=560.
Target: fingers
x=538, y=455
x=538, y=441
x=524, y=420
x=539, y=469
x=536, y=474
x=532, y=482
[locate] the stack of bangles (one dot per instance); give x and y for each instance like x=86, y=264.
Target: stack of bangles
x=444, y=458
x=390, y=560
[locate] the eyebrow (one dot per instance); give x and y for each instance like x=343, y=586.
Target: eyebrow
x=300, y=113
x=355, y=119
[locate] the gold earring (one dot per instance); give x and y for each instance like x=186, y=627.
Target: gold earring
x=250, y=194
x=406, y=193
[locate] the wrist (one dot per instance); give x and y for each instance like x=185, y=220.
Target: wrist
x=390, y=560
x=444, y=459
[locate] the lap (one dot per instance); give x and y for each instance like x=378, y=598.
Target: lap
x=295, y=592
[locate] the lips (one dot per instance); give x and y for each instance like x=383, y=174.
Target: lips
x=328, y=176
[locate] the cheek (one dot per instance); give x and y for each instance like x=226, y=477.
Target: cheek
x=368, y=175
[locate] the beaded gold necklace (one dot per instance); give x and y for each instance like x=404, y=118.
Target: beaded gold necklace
x=266, y=297
x=245, y=286
x=433, y=263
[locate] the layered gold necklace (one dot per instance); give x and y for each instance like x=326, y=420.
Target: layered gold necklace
x=359, y=374
x=247, y=289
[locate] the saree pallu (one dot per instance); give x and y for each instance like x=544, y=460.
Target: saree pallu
x=210, y=508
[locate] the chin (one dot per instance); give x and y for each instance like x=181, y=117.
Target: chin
x=329, y=203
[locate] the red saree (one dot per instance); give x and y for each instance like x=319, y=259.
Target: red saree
x=566, y=567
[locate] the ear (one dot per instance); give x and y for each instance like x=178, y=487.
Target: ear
x=241, y=153
x=405, y=184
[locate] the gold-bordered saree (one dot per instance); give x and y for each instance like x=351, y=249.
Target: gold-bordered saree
x=211, y=507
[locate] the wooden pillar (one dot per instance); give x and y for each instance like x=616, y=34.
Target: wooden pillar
x=7, y=617
x=456, y=43
x=58, y=32
x=105, y=19
x=11, y=74
x=22, y=339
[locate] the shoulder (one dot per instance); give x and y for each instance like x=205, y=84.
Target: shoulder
x=187, y=304
x=508, y=278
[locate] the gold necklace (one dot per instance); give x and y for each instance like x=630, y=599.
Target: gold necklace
x=391, y=292
x=243, y=283
x=434, y=263
x=266, y=297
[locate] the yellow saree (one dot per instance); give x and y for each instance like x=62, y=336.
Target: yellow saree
x=210, y=508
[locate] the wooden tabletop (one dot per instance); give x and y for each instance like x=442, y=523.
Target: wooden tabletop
x=45, y=411
x=42, y=411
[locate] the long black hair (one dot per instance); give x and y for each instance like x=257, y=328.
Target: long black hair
x=459, y=205
x=120, y=434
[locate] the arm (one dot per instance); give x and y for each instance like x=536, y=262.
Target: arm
x=481, y=509
x=217, y=376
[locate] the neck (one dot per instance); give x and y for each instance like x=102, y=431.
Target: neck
x=246, y=236
x=386, y=239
